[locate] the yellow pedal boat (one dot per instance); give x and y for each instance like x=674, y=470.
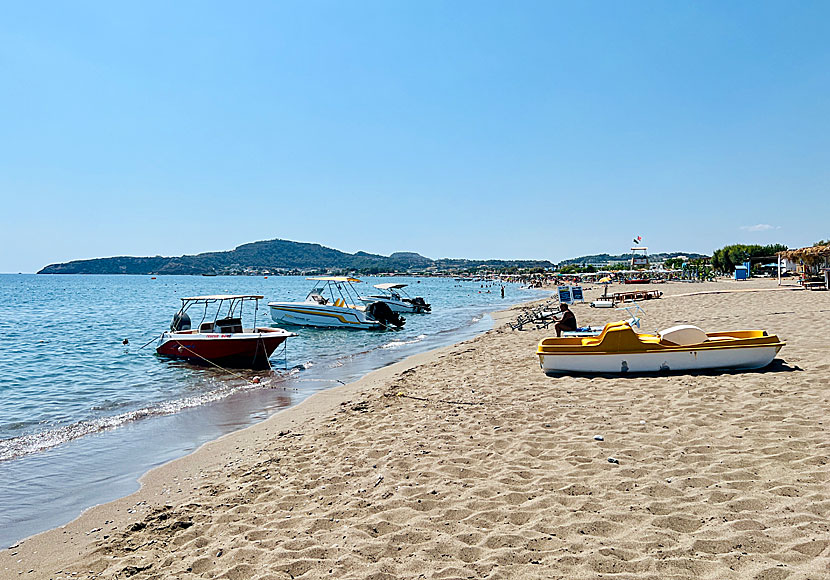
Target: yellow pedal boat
x=618, y=349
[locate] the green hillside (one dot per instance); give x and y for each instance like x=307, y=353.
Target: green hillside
x=279, y=256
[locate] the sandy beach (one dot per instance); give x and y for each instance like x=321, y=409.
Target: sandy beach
x=469, y=462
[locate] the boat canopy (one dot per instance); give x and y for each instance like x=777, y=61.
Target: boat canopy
x=390, y=286
x=225, y=297
x=334, y=278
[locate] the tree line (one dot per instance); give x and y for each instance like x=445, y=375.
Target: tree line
x=725, y=259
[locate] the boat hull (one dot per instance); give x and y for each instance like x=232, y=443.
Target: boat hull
x=239, y=350
x=652, y=362
x=320, y=315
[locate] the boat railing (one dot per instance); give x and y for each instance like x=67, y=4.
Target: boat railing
x=211, y=321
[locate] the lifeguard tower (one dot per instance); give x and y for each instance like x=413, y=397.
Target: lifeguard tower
x=639, y=260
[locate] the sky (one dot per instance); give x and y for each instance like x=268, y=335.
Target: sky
x=466, y=129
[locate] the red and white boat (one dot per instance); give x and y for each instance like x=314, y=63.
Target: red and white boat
x=219, y=338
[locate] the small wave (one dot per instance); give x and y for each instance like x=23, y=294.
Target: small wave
x=43, y=440
x=400, y=343
x=297, y=369
x=109, y=405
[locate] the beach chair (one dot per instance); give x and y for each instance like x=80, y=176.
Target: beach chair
x=539, y=316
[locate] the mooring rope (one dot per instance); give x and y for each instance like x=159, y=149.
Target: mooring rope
x=219, y=366
x=151, y=340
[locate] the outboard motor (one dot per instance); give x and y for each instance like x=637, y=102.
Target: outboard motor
x=181, y=321
x=381, y=312
x=421, y=305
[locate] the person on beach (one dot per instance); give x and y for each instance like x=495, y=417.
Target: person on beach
x=568, y=321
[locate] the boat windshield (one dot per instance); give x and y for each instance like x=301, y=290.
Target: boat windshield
x=316, y=295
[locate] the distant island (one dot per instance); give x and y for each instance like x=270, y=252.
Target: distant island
x=284, y=257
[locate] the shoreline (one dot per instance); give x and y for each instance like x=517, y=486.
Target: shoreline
x=464, y=333
x=154, y=485
x=467, y=460
x=46, y=489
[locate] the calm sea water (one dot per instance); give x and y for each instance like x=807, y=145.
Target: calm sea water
x=82, y=415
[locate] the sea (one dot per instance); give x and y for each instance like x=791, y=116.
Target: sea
x=87, y=406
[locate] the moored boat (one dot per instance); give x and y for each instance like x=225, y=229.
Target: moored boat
x=219, y=338
x=334, y=303
x=618, y=349
x=393, y=294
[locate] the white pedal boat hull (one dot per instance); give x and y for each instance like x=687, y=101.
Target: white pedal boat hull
x=755, y=357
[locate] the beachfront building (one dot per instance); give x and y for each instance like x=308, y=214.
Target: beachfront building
x=812, y=265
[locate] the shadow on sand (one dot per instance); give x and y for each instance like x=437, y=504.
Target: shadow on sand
x=776, y=366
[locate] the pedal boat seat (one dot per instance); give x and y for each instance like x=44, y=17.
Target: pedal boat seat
x=684, y=335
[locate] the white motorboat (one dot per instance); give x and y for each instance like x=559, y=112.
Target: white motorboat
x=334, y=303
x=393, y=294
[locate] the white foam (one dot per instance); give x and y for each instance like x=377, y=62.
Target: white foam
x=400, y=343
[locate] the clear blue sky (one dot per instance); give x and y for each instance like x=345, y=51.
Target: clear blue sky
x=453, y=129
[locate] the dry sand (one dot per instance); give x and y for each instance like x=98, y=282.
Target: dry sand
x=468, y=462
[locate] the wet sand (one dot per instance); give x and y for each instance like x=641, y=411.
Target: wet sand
x=469, y=462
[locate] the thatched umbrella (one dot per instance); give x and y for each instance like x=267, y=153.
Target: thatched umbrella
x=808, y=256
x=812, y=256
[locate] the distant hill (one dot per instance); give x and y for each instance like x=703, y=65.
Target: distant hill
x=601, y=259
x=279, y=256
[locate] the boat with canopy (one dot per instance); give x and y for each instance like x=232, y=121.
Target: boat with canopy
x=219, y=338
x=333, y=302
x=393, y=294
